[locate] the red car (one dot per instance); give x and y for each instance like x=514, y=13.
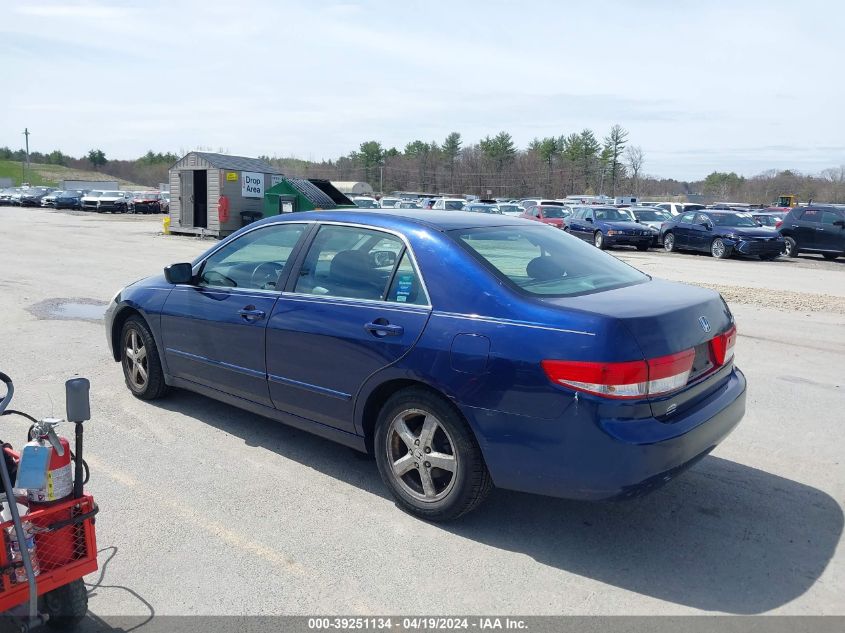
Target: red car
x=145, y=202
x=547, y=214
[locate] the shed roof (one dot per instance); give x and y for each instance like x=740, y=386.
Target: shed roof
x=236, y=163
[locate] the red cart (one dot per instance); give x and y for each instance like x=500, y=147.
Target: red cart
x=47, y=548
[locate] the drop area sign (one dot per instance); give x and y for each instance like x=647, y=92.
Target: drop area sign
x=252, y=184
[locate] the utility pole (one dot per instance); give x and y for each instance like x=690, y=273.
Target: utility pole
x=25, y=164
x=381, y=176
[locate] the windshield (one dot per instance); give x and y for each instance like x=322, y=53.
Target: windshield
x=732, y=219
x=112, y=194
x=612, y=215
x=366, y=204
x=652, y=216
x=454, y=205
x=509, y=208
x=95, y=194
x=546, y=262
x=555, y=212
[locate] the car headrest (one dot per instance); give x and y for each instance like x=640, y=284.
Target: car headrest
x=351, y=267
x=544, y=268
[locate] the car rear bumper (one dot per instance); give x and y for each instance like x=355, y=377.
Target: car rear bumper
x=581, y=455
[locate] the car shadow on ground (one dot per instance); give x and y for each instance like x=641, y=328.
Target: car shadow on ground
x=722, y=537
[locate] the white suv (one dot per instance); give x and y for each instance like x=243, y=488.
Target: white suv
x=449, y=204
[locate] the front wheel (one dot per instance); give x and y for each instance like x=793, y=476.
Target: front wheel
x=140, y=361
x=428, y=457
x=719, y=250
x=598, y=240
x=66, y=605
x=790, y=247
x=669, y=242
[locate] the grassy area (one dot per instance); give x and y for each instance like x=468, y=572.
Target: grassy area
x=12, y=169
x=53, y=175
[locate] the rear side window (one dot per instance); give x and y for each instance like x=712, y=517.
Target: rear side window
x=811, y=215
x=406, y=286
x=829, y=217
x=543, y=261
x=686, y=218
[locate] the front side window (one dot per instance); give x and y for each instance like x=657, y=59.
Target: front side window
x=253, y=261
x=543, y=262
x=350, y=262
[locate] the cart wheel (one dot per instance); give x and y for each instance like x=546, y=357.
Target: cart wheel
x=66, y=605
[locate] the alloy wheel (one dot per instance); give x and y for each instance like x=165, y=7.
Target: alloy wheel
x=135, y=360
x=669, y=242
x=422, y=455
x=718, y=248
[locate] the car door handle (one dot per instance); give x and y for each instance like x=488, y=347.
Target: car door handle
x=249, y=313
x=384, y=328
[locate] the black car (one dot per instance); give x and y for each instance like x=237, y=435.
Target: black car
x=816, y=229
x=721, y=233
x=32, y=197
x=68, y=200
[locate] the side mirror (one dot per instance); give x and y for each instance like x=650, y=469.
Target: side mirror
x=590, y=220
x=706, y=225
x=839, y=223
x=179, y=273
x=76, y=399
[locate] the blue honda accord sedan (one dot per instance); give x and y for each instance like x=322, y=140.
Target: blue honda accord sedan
x=463, y=350
x=721, y=233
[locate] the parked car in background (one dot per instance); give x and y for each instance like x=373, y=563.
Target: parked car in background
x=408, y=204
x=32, y=197
x=557, y=369
x=609, y=226
x=365, y=202
x=165, y=202
x=50, y=199
x=388, y=202
x=653, y=218
x=675, y=208
x=6, y=195
x=483, y=208
x=90, y=200
x=693, y=206
x=553, y=215
x=68, y=200
x=511, y=209
x=815, y=229
x=449, y=204
x=721, y=233
x=525, y=203
x=772, y=219
x=144, y=202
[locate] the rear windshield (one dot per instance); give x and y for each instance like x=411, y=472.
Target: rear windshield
x=453, y=205
x=546, y=261
x=652, y=216
x=554, y=212
x=612, y=215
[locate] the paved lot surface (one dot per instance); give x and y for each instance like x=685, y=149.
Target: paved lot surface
x=209, y=510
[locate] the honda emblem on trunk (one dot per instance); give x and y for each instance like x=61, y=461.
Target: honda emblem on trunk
x=704, y=323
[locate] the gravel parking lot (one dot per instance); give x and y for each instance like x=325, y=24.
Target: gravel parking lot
x=206, y=509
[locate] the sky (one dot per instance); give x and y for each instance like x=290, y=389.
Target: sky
x=741, y=86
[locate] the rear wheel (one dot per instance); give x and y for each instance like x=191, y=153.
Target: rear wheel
x=66, y=605
x=719, y=250
x=791, y=247
x=830, y=255
x=140, y=361
x=428, y=457
x=669, y=242
x=598, y=240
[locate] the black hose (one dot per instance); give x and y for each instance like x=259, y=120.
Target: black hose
x=20, y=413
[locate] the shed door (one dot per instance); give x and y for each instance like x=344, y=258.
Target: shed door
x=186, y=198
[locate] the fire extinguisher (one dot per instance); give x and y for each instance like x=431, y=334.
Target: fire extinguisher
x=59, y=481
x=223, y=209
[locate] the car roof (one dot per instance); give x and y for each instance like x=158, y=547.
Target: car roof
x=407, y=219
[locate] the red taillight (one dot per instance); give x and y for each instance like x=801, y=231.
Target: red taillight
x=631, y=379
x=722, y=346
x=778, y=223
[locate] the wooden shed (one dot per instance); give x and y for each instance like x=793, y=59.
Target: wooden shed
x=203, y=183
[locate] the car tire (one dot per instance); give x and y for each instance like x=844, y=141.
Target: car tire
x=791, y=247
x=719, y=250
x=140, y=360
x=830, y=256
x=643, y=247
x=66, y=605
x=598, y=240
x=413, y=427
x=669, y=243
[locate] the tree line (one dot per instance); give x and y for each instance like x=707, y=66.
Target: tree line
x=554, y=166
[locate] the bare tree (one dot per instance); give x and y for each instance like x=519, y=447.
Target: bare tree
x=634, y=159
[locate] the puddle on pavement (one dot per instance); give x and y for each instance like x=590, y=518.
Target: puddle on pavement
x=77, y=309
